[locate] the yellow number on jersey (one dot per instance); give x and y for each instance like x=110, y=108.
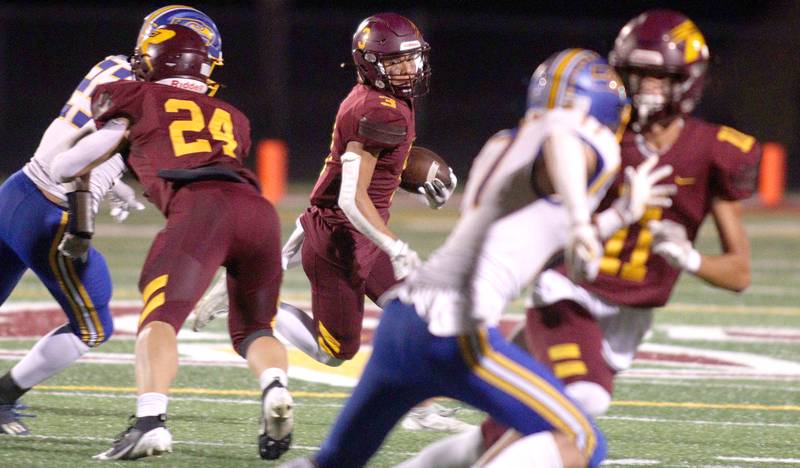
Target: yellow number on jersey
x=177, y=128
x=634, y=269
x=388, y=102
x=738, y=139
x=220, y=127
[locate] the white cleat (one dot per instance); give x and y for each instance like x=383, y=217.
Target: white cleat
x=212, y=305
x=277, y=421
x=135, y=443
x=434, y=417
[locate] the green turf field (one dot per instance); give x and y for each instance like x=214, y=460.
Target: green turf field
x=728, y=393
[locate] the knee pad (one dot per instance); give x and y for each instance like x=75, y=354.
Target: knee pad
x=593, y=398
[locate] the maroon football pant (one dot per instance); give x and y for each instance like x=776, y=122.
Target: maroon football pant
x=337, y=293
x=566, y=338
x=212, y=224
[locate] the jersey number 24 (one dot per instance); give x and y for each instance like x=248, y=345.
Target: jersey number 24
x=220, y=126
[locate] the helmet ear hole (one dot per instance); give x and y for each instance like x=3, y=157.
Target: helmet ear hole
x=370, y=57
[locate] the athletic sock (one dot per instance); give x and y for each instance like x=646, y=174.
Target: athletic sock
x=151, y=404
x=49, y=356
x=268, y=376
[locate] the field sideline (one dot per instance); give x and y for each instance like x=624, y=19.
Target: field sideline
x=716, y=384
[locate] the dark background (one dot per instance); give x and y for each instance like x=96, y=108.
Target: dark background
x=282, y=65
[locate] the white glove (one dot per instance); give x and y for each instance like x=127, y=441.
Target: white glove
x=122, y=199
x=74, y=247
x=642, y=190
x=291, y=253
x=582, y=253
x=671, y=242
x=404, y=260
x=435, y=193
x=213, y=304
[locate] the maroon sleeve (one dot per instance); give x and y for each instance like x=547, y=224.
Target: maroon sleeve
x=734, y=170
x=117, y=99
x=380, y=127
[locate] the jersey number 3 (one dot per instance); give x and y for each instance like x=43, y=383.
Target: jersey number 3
x=220, y=126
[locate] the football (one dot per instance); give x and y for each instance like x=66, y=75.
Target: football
x=423, y=165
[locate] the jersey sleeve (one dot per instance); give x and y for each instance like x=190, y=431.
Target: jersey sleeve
x=380, y=128
x=735, y=164
x=114, y=100
x=77, y=110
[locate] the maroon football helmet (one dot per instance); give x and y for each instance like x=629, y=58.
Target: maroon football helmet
x=662, y=44
x=172, y=51
x=385, y=39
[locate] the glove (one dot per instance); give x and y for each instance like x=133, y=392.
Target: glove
x=642, y=190
x=671, y=242
x=292, y=249
x=582, y=253
x=75, y=247
x=435, y=193
x=213, y=304
x=122, y=199
x=404, y=260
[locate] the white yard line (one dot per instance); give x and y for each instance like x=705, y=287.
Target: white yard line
x=761, y=460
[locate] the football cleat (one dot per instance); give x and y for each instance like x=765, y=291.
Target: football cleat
x=9, y=419
x=146, y=437
x=434, y=417
x=277, y=421
x=212, y=305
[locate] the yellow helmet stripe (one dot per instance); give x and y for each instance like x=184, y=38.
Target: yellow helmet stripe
x=563, y=62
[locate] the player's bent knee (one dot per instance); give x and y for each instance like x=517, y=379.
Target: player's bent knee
x=592, y=398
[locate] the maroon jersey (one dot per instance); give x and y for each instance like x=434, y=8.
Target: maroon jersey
x=385, y=125
x=709, y=161
x=175, y=129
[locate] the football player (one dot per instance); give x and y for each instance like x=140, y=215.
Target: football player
x=342, y=240
x=29, y=237
x=587, y=332
x=530, y=193
x=347, y=248
x=186, y=148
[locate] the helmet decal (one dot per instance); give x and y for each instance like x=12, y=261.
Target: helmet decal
x=693, y=40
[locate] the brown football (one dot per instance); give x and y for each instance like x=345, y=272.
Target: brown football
x=423, y=165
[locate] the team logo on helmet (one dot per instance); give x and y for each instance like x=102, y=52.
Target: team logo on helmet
x=693, y=40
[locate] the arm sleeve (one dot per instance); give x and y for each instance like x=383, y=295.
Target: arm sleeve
x=95, y=146
x=735, y=164
x=566, y=164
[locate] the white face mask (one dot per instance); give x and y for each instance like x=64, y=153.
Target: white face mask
x=649, y=95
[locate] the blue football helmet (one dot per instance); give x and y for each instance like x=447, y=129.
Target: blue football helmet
x=580, y=78
x=190, y=17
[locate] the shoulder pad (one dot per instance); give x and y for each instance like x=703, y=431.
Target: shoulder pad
x=382, y=132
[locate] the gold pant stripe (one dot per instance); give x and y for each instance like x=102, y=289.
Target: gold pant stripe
x=509, y=388
x=330, y=341
x=564, y=351
x=54, y=267
x=153, y=286
x=565, y=369
x=485, y=349
x=324, y=347
x=154, y=303
x=87, y=301
x=537, y=381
